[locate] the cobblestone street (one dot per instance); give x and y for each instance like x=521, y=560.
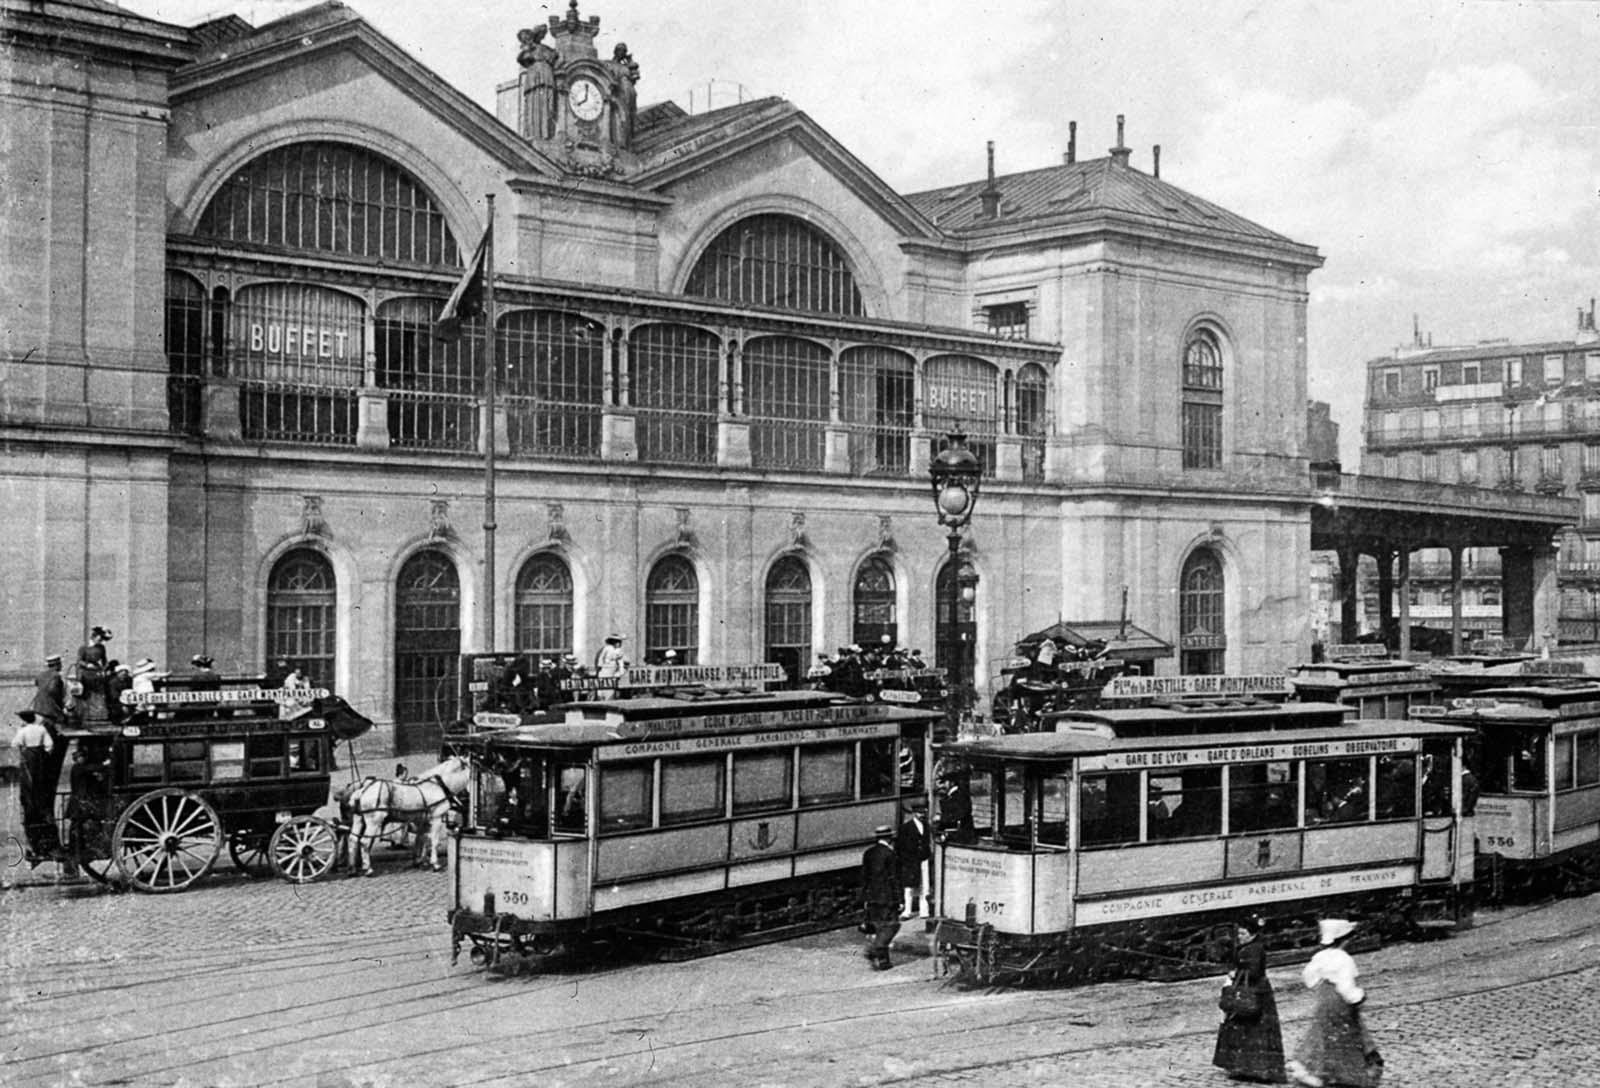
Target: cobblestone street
x=348, y=983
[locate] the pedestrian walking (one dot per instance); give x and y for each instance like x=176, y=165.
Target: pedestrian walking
x=1250, y=1041
x=880, y=894
x=1336, y=1050
x=35, y=746
x=913, y=849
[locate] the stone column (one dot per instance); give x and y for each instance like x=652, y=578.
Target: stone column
x=1403, y=584
x=1455, y=598
x=1349, y=616
x=1385, y=557
x=1528, y=595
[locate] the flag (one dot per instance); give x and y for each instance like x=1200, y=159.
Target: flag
x=466, y=301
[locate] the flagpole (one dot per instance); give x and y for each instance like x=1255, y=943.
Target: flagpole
x=489, y=437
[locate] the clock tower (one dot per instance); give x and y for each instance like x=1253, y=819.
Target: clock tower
x=578, y=108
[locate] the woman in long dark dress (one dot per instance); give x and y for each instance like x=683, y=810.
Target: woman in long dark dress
x=1251, y=1047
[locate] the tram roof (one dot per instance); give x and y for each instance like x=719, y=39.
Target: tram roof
x=1192, y=717
x=1530, y=703
x=1056, y=746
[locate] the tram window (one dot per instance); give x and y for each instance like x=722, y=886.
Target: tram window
x=825, y=774
x=1184, y=805
x=265, y=756
x=692, y=790
x=1263, y=796
x=1397, y=787
x=1588, y=759
x=227, y=761
x=1527, y=762
x=1054, y=798
x=515, y=798
x=880, y=773
x=1336, y=790
x=1564, y=763
x=1015, y=819
x=305, y=755
x=570, y=812
x=145, y=763
x=186, y=761
x=980, y=795
x=764, y=781
x=1436, y=785
x=489, y=806
x=1108, y=808
x=624, y=796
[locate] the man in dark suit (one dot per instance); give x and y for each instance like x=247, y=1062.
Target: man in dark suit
x=913, y=848
x=880, y=892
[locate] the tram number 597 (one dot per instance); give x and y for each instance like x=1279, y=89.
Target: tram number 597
x=992, y=906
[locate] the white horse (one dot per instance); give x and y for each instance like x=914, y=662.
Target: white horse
x=372, y=803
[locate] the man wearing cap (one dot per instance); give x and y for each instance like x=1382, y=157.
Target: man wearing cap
x=50, y=693
x=35, y=747
x=880, y=894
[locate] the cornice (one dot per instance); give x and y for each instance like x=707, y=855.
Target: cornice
x=64, y=27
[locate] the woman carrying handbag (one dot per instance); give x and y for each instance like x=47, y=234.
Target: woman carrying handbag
x=1250, y=1041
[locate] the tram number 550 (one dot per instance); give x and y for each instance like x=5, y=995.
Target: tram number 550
x=514, y=899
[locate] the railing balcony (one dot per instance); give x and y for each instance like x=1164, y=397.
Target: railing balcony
x=538, y=428
x=283, y=412
x=432, y=421
x=878, y=450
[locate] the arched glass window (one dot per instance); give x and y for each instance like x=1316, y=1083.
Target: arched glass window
x=952, y=645
x=776, y=260
x=301, y=614
x=874, y=604
x=960, y=393
x=1202, y=401
x=186, y=354
x=672, y=611
x=674, y=376
x=330, y=198
x=1032, y=419
x=876, y=405
x=544, y=607
x=1202, y=630
x=550, y=366
x=786, y=398
x=427, y=647
x=299, y=352
x=433, y=384
x=789, y=616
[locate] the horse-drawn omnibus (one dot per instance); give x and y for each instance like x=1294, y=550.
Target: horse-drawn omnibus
x=1132, y=840
x=203, y=763
x=694, y=822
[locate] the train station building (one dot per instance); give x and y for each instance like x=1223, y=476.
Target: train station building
x=725, y=353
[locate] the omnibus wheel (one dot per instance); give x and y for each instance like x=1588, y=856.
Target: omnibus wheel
x=248, y=849
x=166, y=840
x=303, y=849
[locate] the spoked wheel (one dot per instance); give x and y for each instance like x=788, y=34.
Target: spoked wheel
x=248, y=849
x=303, y=849
x=166, y=840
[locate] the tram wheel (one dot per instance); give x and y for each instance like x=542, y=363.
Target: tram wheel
x=166, y=840
x=303, y=849
x=249, y=852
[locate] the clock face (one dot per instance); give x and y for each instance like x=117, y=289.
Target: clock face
x=585, y=100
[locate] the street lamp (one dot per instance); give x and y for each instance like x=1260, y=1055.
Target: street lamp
x=956, y=474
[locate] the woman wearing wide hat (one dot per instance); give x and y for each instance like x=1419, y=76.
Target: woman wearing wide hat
x=1250, y=1041
x=1336, y=1049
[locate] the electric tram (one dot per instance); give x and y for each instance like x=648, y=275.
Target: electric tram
x=694, y=822
x=1132, y=840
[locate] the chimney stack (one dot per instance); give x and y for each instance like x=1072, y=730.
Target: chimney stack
x=1156, y=157
x=1072, y=142
x=991, y=195
x=1119, y=154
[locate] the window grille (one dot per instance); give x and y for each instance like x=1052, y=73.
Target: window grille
x=330, y=198
x=302, y=614
x=951, y=643
x=674, y=371
x=960, y=393
x=776, y=260
x=1033, y=419
x=544, y=607
x=1202, y=401
x=427, y=647
x=185, y=347
x=1009, y=320
x=550, y=376
x=432, y=383
x=299, y=354
x=877, y=392
x=672, y=610
x=875, y=604
x=789, y=616
x=1202, y=634
x=786, y=399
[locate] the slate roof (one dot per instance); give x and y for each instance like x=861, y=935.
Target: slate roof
x=1084, y=188
x=668, y=134
x=1497, y=350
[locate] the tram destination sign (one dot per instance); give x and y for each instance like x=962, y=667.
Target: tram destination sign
x=677, y=676
x=1248, y=753
x=739, y=721
x=223, y=695
x=720, y=742
x=1135, y=687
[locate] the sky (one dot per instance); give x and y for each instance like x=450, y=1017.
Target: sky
x=1442, y=155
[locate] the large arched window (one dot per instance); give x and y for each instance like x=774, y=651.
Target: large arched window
x=1202, y=400
x=786, y=398
x=185, y=346
x=1202, y=630
x=776, y=260
x=672, y=611
x=299, y=352
x=544, y=607
x=960, y=393
x=874, y=604
x=674, y=372
x=330, y=198
x=301, y=614
x=876, y=405
x=427, y=647
x=433, y=385
x=953, y=643
x=550, y=365
x=789, y=616
x=1033, y=419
